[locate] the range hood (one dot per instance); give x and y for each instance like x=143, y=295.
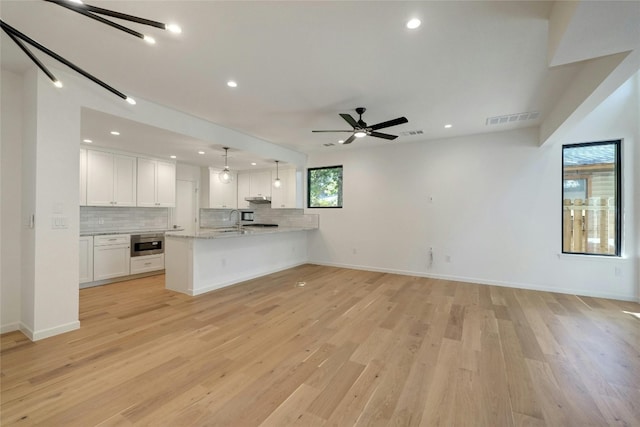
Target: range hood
x=258, y=199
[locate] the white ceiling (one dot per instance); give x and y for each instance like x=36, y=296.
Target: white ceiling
x=299, y=64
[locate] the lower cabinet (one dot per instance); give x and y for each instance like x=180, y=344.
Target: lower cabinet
x=144, y=264
x=86, y=259
x=111, y=255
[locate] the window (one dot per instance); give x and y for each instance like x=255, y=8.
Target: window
x=324, y=187
x=591, y=202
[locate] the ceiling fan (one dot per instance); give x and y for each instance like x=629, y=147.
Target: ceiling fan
x=360, y=128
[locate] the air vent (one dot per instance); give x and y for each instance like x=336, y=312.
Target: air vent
x=412, y=133
x=511, y=118
x=329, y=144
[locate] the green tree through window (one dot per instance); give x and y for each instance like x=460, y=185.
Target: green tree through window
x=324, y=187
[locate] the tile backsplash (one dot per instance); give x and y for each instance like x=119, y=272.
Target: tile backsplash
x=263, y=214
x=101, y=219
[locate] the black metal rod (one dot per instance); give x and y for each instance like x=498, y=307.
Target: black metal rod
x=59, y=58
x=126, y=17
x=112, y=13
x=31, y=56
x=84, y=11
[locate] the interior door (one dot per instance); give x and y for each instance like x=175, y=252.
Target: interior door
x=185, y=214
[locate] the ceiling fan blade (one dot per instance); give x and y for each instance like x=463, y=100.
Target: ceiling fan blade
x=382, y=135
x=389, y=123
x=349, y=140
x=349, y=120
x=332, y=130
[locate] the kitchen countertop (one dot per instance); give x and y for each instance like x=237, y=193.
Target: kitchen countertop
x=104, y=233
x=229, y=233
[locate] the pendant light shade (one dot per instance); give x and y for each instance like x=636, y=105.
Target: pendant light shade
x=277, y=183
x=225, y=175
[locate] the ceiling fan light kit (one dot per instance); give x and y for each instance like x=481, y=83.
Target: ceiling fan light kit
x=92, y=12
x=361, y=129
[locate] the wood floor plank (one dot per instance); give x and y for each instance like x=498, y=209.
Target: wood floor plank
x=349, y=348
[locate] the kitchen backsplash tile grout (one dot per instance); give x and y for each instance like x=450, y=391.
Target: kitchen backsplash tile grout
x=263, y=213
x=95, y=219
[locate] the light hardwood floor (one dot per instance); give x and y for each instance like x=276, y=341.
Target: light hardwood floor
x=348, y=348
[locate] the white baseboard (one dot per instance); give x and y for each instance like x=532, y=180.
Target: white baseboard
x=10, y=327
x=46, y=333
x=479, y=281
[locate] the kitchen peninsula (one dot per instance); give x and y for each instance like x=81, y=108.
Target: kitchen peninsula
x=211, y=259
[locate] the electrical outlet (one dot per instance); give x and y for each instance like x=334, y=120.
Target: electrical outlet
x=618, y=271
x=223, y=262
x=100, y=220
x=447, y=258
x=355, y=251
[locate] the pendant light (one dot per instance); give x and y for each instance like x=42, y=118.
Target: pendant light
x=277, y=183
x=225, y=176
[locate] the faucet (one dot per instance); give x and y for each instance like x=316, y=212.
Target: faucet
x=238, y=224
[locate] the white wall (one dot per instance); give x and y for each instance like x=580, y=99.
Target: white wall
x=495, y=210
x=10, y=194
x=48, y=298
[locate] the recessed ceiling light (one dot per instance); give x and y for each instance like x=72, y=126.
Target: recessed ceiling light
x=253, y=163
x=173, y=157
x=200, y=152
x=131, y=100
x=115, y=132
x=231, y=83
x=341, y=141
x=149, y=39
x=88, y=141
x=448, y=126
x=414, y=23
x=57, y=84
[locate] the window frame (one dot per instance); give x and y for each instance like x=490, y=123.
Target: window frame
x=341, y=201
x=617, y=143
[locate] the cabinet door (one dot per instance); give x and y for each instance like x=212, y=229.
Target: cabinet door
x=83, y=177
x=86, y=259
x=146, y=188
x=244, y=182
x=110, y=261
x=284, y=197
x=166, y=185
x=124, y=193
x=222, y=196
x=260, y=184
x=100, y=173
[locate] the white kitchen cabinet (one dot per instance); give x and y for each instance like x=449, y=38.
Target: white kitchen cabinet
x=86, y=259
x=111, y=179
x=253, y=184
x=83, y=177
x=147, y=263
x=111, y=256
x=285, y=196
x=216, y=194
x=244, y=181
x=260, y=184
x=156, y=183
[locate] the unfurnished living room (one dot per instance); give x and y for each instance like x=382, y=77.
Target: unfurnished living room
x=320, y=213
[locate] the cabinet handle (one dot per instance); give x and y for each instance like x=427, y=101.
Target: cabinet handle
x=112, y=240
x=147, y=263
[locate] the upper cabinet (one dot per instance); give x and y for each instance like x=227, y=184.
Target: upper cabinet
x=216, y=194
x=83, y=177
x=285, y=196
x=156, y=183
x=253, y=184
x=111, y=179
